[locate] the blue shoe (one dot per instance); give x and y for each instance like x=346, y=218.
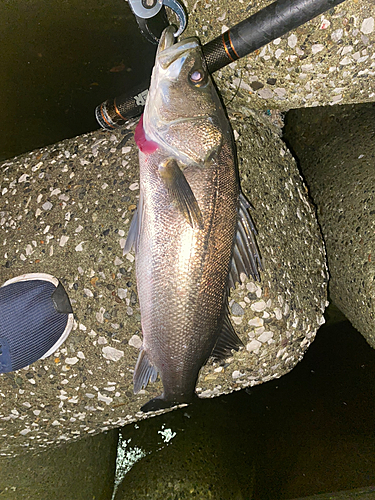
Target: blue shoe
x=35, y=319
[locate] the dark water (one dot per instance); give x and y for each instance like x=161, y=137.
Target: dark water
x=311, y=431
x=58, y=61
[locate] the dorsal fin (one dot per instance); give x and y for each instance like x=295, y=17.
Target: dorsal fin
x=246, y=257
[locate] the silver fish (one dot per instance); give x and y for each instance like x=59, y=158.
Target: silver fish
x=192, y=232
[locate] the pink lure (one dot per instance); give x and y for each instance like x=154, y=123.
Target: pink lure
x=145, y=145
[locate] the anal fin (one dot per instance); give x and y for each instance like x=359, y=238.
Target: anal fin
x=144, y=372
x=181, y=193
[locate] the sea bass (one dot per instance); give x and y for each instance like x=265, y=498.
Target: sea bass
x=192, y=232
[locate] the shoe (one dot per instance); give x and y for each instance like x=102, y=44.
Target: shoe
x=35, y=318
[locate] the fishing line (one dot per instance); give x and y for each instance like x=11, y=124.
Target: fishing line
x=236, y=92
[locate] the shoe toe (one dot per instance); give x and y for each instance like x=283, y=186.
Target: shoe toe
x=35, y=318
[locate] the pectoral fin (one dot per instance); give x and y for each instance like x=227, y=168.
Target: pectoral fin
x=180, y=192
x=135, y=228
x=246, y=258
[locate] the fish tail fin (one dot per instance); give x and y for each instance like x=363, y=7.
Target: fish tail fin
x=160, y=403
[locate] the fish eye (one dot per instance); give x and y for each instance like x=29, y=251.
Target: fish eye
x=198, y=77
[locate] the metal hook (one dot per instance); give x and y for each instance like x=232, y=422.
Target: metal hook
x=146, y=9
x=180, y=12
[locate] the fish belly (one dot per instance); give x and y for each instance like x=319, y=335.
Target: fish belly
x=182, y=271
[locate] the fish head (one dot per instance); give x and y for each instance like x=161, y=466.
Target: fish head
x=183, y=112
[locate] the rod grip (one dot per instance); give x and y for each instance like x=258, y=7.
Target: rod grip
x=113, y=113
x=266, y=25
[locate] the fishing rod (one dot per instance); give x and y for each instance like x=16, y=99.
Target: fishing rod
x=270, y=23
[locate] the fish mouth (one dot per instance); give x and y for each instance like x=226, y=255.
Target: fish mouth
x=170, y=51
x=170, y=59
x=167, y=38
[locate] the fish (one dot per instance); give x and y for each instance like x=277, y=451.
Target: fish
x=192, y=232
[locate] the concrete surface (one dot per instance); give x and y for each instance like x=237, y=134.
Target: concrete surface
x=335, y=148
x=194, y=455
x=82, y=470
x=357, y=494
x=329, y=60
x=66, y=209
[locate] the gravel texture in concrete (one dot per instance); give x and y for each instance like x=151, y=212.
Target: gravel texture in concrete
x=329, y=60
x=66, y=209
